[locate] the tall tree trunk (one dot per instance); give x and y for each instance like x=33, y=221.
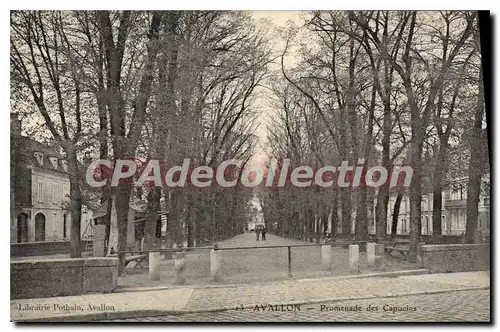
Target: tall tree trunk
x=362, y=212
x=383, y=193
x=395, y=214
x=361, y=215
x=122, y=208
x=346, y=209
x=106, y=196
x=76, y=203
x=476, y=166
x=335, y=214
x=151, y=218
x=437, y=191
x=415, y=191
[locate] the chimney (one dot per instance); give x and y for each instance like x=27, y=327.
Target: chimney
x=15, y=124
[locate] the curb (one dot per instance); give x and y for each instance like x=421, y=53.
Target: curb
x=99, y=317
x=390, y=274
x=351, y=276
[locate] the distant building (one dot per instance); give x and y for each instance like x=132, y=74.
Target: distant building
x=39, y=190
x=453, y=211
x=135, y=223
x=257, y=216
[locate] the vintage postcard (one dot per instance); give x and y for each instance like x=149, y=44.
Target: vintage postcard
x=250, y=166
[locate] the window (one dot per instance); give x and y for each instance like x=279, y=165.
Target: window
x=459, y=192
x=455, y=220
x=55, y=194
x=65, y=230
x=425, y=225
x=65, y=192
x=462, y=219
x=40, y=192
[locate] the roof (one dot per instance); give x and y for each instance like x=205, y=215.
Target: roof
x=36, y=154
x=102, y=210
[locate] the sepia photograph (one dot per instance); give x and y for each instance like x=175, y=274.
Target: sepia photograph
x=229, y=166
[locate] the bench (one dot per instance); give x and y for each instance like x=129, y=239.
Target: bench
x=344, y=243
x=136, y=260
x=399, y=245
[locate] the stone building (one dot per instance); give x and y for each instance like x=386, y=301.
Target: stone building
x=454, y=211
x=39, y=190
x=257, y=216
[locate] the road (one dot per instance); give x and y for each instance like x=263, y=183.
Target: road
x=459, y=306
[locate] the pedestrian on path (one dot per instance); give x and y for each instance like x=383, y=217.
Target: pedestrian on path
x=264, y=230
x=257, y=232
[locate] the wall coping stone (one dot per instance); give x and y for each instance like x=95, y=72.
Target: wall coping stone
x=451, y=247
x=20, y=244
x=64, y=262
x=100, y=261
x=46, y=263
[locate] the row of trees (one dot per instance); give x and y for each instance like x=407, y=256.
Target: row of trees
x=378, y=87
x=165, y=85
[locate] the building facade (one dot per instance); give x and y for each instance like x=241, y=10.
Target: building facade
x=39, y=190
x=453, y=211
x=257, y=216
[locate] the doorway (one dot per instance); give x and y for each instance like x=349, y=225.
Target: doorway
x=40, y=227
x=22, y=228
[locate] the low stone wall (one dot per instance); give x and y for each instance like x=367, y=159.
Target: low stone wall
x=456, y=257
x=430, y=239
x=26, y=249
x=62, y=277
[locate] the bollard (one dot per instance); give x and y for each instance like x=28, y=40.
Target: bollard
x=370, y=254
x=179, y=267
x=477, y=236
x=154, y=265
x=163, y=253
x=379, y=257
x=326, y=256
x=420, y=262
x=354, y=258
x=215, y=264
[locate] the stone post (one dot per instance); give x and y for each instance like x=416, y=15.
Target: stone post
x=98, y=240
x=326, y=256
x=420, y=262
x=379, y=257
x=154, y=265
x=370, y=254
x=477, y=236
x=180, y=267
x=215, y=264
x=354, y=258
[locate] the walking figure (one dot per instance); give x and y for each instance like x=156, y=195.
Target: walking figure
x=257, y=232
x=264, y=233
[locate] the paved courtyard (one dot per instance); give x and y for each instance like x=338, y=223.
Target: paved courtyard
x=257, y=264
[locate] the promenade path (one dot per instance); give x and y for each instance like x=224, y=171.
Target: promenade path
x=257, y=265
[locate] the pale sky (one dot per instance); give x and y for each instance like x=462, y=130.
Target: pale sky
x=278, y=19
